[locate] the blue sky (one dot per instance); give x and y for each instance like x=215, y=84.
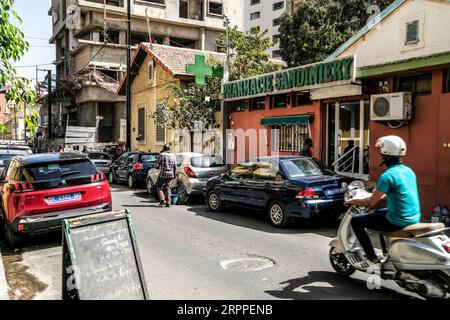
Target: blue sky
x=37, y=27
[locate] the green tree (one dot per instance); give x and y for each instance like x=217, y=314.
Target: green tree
x=190, y=103
x=317, y=28
x=12, y=48
x=248, y=52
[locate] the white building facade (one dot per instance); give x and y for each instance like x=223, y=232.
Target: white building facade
x=265, y=14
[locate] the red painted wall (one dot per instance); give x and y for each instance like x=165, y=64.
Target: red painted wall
x=252, y=119
x=424, y=136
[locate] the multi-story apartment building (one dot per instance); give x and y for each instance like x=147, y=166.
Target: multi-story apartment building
x=265, y=14
x=90, y=39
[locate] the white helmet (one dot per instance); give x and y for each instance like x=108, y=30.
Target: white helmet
x=392, y=146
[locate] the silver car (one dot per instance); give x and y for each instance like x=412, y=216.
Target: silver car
x=101, y=160
x=9, y=151
x=194, y=171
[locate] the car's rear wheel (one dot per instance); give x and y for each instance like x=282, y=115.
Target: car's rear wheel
x=12, y=238
x=277, y=215
x=131, y=182
x=214, y=202
x=111, y=177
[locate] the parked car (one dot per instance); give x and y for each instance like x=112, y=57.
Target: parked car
x=8, y=151
x=194, y=171
x=101, y=160
x=132, y=168
x=38, y=191
x=285, y=187
x=15, y=149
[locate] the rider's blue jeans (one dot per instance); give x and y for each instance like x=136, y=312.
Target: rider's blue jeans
x=374, y=220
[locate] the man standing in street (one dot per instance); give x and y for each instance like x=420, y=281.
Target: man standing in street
x=167, y=166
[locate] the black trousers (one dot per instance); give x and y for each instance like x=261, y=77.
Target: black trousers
x=374, y=220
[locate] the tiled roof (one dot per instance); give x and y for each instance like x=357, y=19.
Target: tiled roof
x=175, y=59
x=172, y=59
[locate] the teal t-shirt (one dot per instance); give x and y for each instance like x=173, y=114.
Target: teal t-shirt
x=399, y=183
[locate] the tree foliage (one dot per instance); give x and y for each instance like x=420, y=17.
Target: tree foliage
x=189, y=103
x=248, y=51
x=12, y=48
x=317, y=28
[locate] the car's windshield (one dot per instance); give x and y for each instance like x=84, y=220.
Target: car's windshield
x=99, y=156
x=4, y=158
x=207, y=162
x=50, y=171
x=146, y=158
x=303, y=167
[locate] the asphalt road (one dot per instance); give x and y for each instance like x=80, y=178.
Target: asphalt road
x=189, y=253
x=192, y=253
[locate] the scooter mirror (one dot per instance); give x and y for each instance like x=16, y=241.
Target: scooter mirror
x=344, y=186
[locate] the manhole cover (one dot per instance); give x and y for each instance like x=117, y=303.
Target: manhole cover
x=247, y=264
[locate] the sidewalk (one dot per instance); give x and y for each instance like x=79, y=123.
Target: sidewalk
x=3, y=285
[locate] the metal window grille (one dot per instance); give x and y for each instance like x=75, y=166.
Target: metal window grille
x=291, y=137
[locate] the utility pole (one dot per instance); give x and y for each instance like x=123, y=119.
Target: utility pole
x=128, y=84
x=49, y=103
x=226, y=78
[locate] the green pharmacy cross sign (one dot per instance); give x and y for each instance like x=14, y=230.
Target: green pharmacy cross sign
x=201, y=70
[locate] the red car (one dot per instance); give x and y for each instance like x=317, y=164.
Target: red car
x=38, y=191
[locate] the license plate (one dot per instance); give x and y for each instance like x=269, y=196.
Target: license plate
x=64, y=198
x=101, y=165
x=330, y=192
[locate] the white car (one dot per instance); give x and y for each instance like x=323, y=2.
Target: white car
x=194, y=171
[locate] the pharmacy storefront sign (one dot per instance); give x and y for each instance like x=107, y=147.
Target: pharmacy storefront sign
x=309, y=77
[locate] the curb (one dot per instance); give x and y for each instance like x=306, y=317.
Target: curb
x=3, y=284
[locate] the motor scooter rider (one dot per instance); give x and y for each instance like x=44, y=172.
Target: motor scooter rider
x=398, y=184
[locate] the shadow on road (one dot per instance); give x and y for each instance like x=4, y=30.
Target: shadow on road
x=320, y=285
x=35, y=243
x=257, y=221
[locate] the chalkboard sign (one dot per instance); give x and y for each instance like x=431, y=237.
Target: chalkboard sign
x=101, y=259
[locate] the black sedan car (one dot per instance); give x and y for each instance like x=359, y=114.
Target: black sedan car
x=132, y=168
x=284, y=187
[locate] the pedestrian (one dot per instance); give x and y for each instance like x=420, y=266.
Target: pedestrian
x=61, y=149
x=84, y=150
x=167, y=165
x=119, y=150
x=306, y=150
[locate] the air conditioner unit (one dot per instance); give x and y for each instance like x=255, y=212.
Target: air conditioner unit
x=392, y=106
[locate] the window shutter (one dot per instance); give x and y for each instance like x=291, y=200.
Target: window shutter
x=160, y=134
x=412, y=32
x=141, y=122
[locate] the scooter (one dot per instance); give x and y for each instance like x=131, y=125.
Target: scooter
x=417, y=257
